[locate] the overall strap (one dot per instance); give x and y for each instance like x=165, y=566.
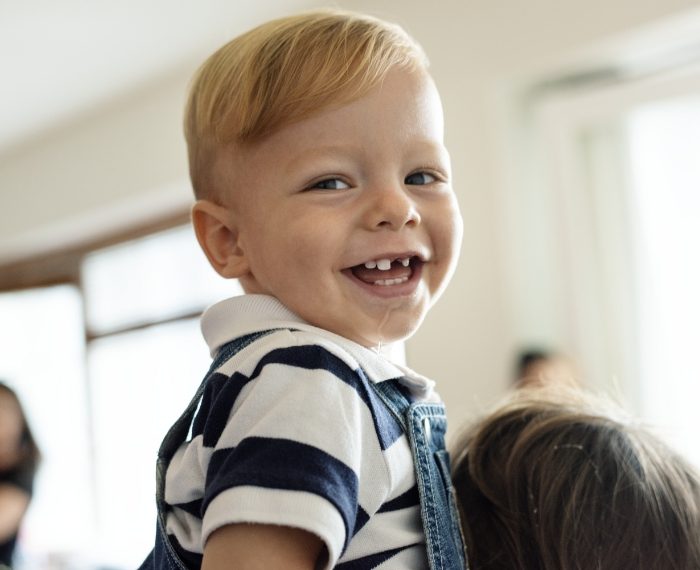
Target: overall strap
x=179, y=430
x=425, y=425
x=394, y=399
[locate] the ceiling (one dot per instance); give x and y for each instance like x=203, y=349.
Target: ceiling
x=59, y=59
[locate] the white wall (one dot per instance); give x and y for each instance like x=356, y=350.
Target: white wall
x=129, y=158
x=113, y=167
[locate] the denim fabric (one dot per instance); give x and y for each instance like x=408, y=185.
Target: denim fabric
x=425, y=425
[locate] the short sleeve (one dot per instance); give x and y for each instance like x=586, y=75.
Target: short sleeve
x=289, y=452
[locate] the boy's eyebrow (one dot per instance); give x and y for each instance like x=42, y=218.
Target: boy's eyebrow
x=333, y=150
x=330, y=150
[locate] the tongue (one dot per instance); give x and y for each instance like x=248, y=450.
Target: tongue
x=396, y=271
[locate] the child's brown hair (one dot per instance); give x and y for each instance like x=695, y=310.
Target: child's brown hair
x=559, y=480
x=281, y=72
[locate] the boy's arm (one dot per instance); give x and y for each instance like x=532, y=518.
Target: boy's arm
x=262, y=547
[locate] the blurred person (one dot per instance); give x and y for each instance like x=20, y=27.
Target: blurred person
x=539, y=367
x=555, y=479
x=19, y=459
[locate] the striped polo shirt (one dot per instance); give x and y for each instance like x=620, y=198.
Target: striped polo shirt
x=290, y=432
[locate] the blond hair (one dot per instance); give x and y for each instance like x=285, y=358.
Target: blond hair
x=283, y=71
x=559, y=480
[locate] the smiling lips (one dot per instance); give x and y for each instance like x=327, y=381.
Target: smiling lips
x=386, y=272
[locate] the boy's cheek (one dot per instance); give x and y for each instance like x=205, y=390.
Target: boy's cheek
x=448, y=231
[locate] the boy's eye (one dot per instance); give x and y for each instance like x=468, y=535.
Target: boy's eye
x=329, y=184
x=420, y=178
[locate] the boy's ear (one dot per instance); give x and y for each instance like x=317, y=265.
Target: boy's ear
x=217, y=233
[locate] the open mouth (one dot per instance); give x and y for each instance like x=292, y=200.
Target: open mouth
x=387, y=272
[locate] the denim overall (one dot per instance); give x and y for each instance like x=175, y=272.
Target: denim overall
x=425, y=425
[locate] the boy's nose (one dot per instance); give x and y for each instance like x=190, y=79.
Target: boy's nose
x=393, y=208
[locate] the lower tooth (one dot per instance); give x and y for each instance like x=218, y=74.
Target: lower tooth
x=386, y=282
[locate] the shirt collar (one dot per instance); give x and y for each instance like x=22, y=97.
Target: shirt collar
x=246, y=314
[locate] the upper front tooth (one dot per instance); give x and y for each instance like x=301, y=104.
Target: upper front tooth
x=371, y=264
x=383, y=264
x=406, y=261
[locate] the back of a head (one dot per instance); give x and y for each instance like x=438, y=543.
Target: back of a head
x=284, y=71
x=560, y=481
x=538, y=368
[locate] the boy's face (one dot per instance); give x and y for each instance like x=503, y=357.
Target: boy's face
x=349, y=217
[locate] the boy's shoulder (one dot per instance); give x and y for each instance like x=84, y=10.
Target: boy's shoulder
x=279, y=333
x=293, y=346
x=291, y=337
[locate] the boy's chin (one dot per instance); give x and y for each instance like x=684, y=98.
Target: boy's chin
x=372, y=330
x=382, y=337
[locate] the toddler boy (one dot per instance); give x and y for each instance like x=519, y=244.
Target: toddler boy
x=323, y=185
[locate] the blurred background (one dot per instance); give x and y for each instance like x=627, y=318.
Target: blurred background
x=574, y=129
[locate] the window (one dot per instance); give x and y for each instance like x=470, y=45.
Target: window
x=100, y=408
x=618, y=179
x=42, y=337
x=140, y=381
x=664, y=151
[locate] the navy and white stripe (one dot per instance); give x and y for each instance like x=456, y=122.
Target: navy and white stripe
x=290, y=432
